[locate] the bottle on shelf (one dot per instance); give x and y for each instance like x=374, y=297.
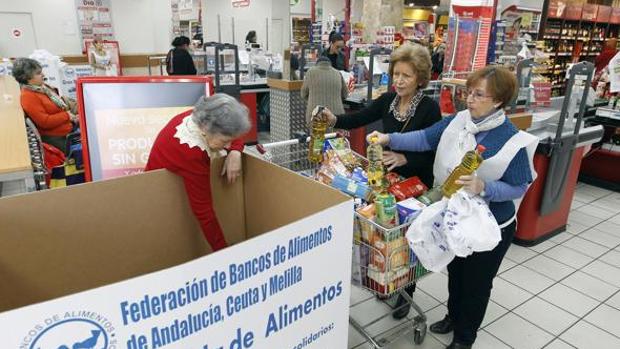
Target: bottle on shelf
x=374, y=153
x=317, y=137
x=470, y=163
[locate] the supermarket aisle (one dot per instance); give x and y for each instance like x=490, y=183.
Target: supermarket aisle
x=562, y=293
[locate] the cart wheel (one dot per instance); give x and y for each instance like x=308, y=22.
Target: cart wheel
x=419, y=332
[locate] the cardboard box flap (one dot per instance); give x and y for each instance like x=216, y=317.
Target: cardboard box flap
x=228, y=203
x=275, y=196
x=67, y=240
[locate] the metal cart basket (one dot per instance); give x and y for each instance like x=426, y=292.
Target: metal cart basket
x=383, y=263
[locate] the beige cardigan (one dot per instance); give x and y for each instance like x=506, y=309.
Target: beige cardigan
x=323, y=85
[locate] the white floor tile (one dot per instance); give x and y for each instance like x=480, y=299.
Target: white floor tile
x=434, y=315
x=519, y=254
x=614, y=301
x=568, y=299
x=359, y=294
x=596, y=211
x=406, y=342
x=575, y=227
x=485, y=340
x=601, y=237
x=583, y=335
x=355, y=338
x=368, y=311
x=527, y=279
x=424, y=301
x=583, y=218
x=494, y=312
x=518, y=333
x=549, y=267
x=606, y=318
x=559, y=344
x=568, y=256
x=604, y=271
x=609, y=228
x=506, y=264
x=546, y=315
x=586, y=247
x=612, y=258
x=615, y=219
x=607, y=204
x=561, y=237
x=593, y=190
x=543, y=246
x=589, y=285
x=435, y=285
x=508, y=295
x=384, y=324
x=576, y=204
x=585, y=197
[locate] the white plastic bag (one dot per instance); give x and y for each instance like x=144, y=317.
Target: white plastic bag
x=427, y=239
x=469, y=225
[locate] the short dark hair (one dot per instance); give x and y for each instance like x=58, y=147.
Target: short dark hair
x=180, y=41
x=24, y=69
x=334, y=37
x=501, y=83
x=250, y=36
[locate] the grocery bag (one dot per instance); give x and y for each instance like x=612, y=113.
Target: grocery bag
x=427, y=238
x=469, y=225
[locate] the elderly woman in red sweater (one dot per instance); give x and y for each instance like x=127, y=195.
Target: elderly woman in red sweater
x=53, y=115
x=186, y=145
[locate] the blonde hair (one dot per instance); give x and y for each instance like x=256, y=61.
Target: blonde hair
x=418, y=57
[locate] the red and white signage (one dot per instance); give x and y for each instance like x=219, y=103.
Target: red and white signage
x=241, y=3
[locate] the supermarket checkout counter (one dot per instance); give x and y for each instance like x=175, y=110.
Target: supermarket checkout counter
x=16, y=173
x=563, y=142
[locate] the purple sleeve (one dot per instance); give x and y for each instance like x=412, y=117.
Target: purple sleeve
x=409, y=141
x=499, y=191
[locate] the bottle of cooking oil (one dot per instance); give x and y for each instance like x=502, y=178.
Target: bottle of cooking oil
x=470, y=163
x=317, y=137
x=374, y=153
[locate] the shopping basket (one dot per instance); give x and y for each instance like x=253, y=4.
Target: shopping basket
x=383, y=263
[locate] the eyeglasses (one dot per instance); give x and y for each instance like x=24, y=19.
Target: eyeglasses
x=477, y=95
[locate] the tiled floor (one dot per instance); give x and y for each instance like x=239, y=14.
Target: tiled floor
x=562, y=293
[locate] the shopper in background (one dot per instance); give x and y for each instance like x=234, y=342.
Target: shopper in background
x=503, y=177
x=608, y=52
x=334, y=52
x=323, y=85
x=438, y=58
x=251, y=37
x=52, y=114
x=186, y=145
x=101, y=60
x=178, y=60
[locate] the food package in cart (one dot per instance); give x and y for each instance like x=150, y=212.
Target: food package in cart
x=409, y=188
x=408, y=210
x=397, y=251
x=367, y=229
x=342, y=149
x=351, y=187
x=393, y=178
x=388, y=281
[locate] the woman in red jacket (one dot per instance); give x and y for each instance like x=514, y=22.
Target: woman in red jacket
x=50, y=113
x=186, y=145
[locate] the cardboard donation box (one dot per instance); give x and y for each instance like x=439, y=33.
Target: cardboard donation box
x=126, y=265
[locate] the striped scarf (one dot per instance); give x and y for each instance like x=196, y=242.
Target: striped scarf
x=49, y=93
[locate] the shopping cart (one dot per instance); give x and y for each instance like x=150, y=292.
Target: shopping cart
x=382, y=260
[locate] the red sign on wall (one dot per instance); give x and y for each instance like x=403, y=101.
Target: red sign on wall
x=241, y=3
x=573, y=11
x=615, y=15
x=604, y=13
x=556, y=8
x=589, y=12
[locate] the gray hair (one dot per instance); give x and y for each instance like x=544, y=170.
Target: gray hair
x=24, y=69
x=221, y=114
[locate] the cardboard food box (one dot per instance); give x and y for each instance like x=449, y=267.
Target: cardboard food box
x=123, y=264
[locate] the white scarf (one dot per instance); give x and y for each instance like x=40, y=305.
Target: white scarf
x=467, y=136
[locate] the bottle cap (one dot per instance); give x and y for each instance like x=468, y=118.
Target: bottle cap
x=374, y=139
x=480, y=148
